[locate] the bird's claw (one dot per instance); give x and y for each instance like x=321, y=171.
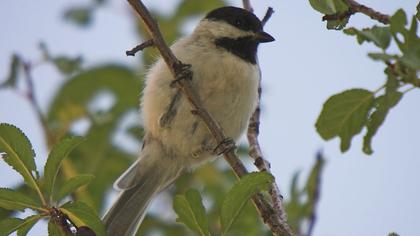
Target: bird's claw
x=225, y=146
x=185, y=72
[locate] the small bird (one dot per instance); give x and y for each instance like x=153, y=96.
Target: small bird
x=222, y=52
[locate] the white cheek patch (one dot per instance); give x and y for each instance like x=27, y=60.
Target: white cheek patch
x=220, y=29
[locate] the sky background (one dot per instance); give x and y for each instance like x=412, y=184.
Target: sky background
x=361, y=195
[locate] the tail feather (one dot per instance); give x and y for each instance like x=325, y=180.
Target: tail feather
x=152, y=173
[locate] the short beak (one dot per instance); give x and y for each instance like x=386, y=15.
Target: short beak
x=263, y=37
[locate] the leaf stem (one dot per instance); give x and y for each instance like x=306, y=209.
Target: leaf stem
x=409, y=89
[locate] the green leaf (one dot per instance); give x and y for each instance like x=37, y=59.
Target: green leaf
x=394, y=234
x=27, y=224
x=398, y=21
x=382, y=56
x=383, y=105
x=72, y=185
x=380, y=36
x=18, y=153
x=418, y=11
x=8, y=226
x=344, y=115
x=67, y=65
x=60, y=151
x=191, y=212
x=83, y=215
x=337, y=24
x=190, y=8
x=12, y=200
x=72, y=101
x=240, y=193
x=53, y=229
x=11, y=79
x=329, y=7
x=81, y=16
x=313, y=185
x=411, y=47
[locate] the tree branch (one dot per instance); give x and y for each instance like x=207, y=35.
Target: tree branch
x=139, y=47
x=254, y=146
x=355, y=7
x=183, y=76
x=247, y=5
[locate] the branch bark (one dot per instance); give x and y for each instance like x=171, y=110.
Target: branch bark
x=254, y=147
x=183, y=76
x=355, y=7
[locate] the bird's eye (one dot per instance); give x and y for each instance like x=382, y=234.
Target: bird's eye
x=239, y=22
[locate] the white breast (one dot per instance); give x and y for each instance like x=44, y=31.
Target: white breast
x=226, y=84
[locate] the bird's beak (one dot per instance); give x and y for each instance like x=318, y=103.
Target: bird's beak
x=263, y=37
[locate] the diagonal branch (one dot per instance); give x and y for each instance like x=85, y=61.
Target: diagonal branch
x=183, y=75
x=355, y=7
x=254, y=146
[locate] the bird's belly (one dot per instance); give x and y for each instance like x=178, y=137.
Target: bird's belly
x=228, y=93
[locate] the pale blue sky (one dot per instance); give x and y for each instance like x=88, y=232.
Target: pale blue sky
x=361, y=195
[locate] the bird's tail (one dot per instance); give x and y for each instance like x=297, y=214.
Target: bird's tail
x=149, y=175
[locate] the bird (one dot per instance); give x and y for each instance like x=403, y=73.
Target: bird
x=222, y=54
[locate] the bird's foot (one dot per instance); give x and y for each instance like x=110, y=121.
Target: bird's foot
x=184, y=72
x=225, y=146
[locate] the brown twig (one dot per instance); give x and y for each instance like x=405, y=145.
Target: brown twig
x=27, y=68
x=247, y=5
x=254, y=146
x=267, y=15
x=355, y=7
x=140, y=47
x=183, y=75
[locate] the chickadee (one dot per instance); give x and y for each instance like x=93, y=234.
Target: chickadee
x=222, y=52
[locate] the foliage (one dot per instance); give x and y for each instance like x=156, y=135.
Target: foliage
x=345, y=114
x=18, y=153
x=79, y=172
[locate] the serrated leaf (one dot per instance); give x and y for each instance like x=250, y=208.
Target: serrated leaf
x=313, y=183
x=60, y=151
x=11, y=79
x=12, y=200
x=191, y=212
x=53, y=229
x=418, y=11
x=380, y=36
x=240, y=193
x=382, y=56
x=83, y=215
x=72, y=185
x=81, y=16
x=72, y=101
x=19, y=153
x=337, y=24
x=328, y=7
x=67, y=65
x=398, y=21
x=411, y=47
x=382, y=106
x=8, y=226
x=344, y=115
x=27, y=224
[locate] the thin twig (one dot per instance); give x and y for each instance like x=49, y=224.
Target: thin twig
x=267, y=15
x=27, y=68
x=254, y=147
x=139, y=47
x=247, y=5
x=183, y=76
x=355, y=7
